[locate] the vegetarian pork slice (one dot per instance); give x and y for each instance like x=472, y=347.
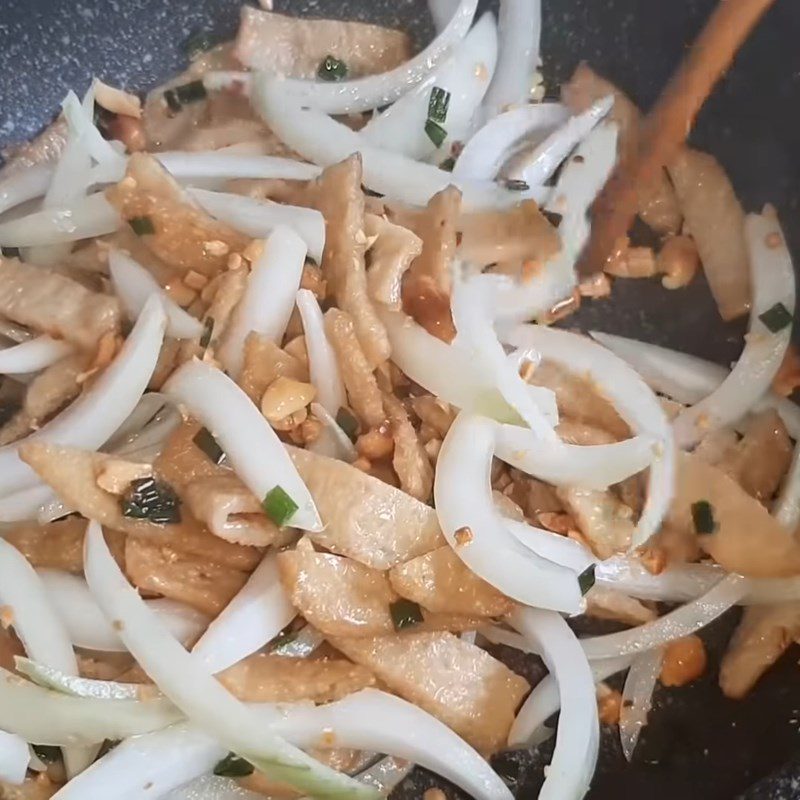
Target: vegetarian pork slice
x=457, y=682
x=296, y=47
x=605, y=521
x=390, y=250
x=56, y=305
x=365, y=518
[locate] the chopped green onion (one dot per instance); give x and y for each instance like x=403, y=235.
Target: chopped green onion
x=209, y=445
x=586, y=579
x=348, y=423
x=233, y=767
x=776, y=318
x=332, y=69
x=208, y=330
x=10, y=252
x=142, y=225
x=438, y=105
x=448, y=164
x=703, y=517
x=436, y=133
x=405, y=614
x=279, y=506
x=198, y=43
x=7, y=410
x=514, y=185
x=180, y=96
x=152, y=500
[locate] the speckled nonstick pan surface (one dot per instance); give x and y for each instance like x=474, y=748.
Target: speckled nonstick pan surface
x=698, y=745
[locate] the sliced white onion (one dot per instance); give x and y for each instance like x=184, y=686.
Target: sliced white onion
x=786, y=508
x=146, y=410
x=14, y=758
x=91, y=419
x=386, y=774
x=633, y=399
x=25, y=503
x=135, y=285
x=442, y=12
x=183, y=679
x=27, y=184
x=50, y=678
x=681, y=622
x=33, y=355
x=89, y=629
x=544, y=701
x=258, y=218
x=79, y=119
x=255, y=452
x=578, y=734
x=212, y=787
x=363, y=94
x=466, y=76
x=551, y=546
x=333, y=441
x=477, y=532
x=299, y=645
x=268, y=300
x=637, y=697
x=255, y=616
x=772, y=277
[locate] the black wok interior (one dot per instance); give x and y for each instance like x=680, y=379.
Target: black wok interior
x=699, y=744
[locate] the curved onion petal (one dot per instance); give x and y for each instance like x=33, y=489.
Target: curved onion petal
x=79, y=119
x=589, y=466
x=442, y=12
x=551, y=546
x=333, y=441
x=268, y=300
x=255, y=616
x=323, y=140
x=212, y=787
x=150, y=404
x=301, y=644
x=485, y=153
x=27, y=184
x=89, y=629
x=25, y=503
x=578, y=734
x=681, y=622
x=86, y=217
x=14, y=758
x=544, y=701
x=466, y=75
x=90, y=420
x=135, y=285
x=258, y=218
x=773, y=283
x=33, y=355
x=520, y=33
x=386, y=774
x=363, y=94
x=183, y=679
x=255, y=452
x=632, y=398
x=50, y=678
x=637, y=697
x=477, y=532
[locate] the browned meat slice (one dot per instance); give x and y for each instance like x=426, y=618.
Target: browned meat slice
x=391, y=249
x=604, y=603
x=296, y=47
x=605, y=521
x=264, y=361
x=410, y=461
x=53, y=304
x=40, y=787
x=46, y=148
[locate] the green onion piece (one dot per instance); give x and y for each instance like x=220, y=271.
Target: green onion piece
x=180, y=96
x=438, y=105
x=776, y=318
x=208, y=330
x=47, y=753
x=279, y=506
x=332, y=69
x=514, y=185
x=348, y=423
x=703, y=517
x=586, y=579
x=10, y=252
x=405, y=614
x=209, y=445
x=7, y=410
x=142, y=225
x=448, y=164
x=233, y=767
x=152, y=500
x=436, y=133
x=198, y=43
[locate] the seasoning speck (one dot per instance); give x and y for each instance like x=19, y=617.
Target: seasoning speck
x=463, y=536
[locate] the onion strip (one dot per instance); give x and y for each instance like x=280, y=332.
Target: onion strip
x=33, y=355
x=14, y=758
x=637, y=697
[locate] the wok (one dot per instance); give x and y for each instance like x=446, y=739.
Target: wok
x=698, y=744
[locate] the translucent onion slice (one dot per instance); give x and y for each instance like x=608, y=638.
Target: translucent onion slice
x=79, y=119
x=544, y=701
x=773, y=282
x=89, y=629
x=681, y=622
x=14, y=758
x=135, y=285
x=323, y=140
x=91, y=419
x=520, y=32
x=637, y=697
x=633, y=399
x=255, y=616
x=183, y=679
x=678, y=583
x=268, y=300
x=442, y=12
x=85, y=218
x=25, y=503
x=363, y=94
x=466, y=76
x=386, y=774
x=552, y=546
x=255, y=452
x=27, y=184
x=258, y=218
x=33, y=355
x=476, y=531
x=50, y=678
x=333, y=441
x=299, y=645
x=578, y=735
x=212, y=787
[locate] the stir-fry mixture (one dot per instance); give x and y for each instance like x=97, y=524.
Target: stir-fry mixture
x=288, y=436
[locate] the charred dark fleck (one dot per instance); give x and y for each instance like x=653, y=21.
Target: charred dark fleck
x=152, y=500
